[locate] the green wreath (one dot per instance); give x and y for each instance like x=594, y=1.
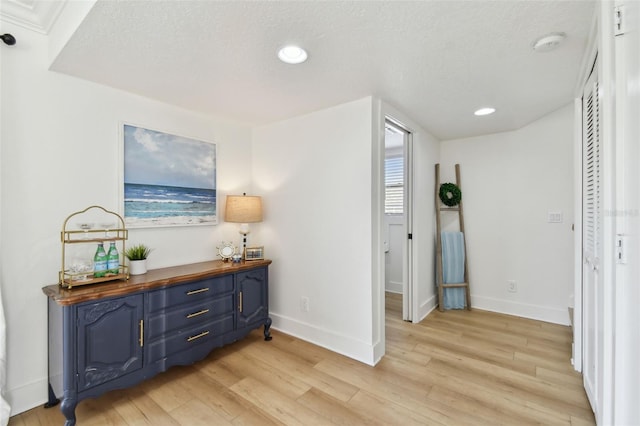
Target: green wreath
x=450, y=194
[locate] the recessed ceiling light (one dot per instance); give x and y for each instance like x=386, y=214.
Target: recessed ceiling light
x=548, y=42
x=292, y=54
x=485, y=111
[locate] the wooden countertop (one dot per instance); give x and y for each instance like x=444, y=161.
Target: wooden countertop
x=153, y=278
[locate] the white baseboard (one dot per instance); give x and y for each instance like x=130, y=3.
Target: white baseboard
x=425, y=309
x=28, y=396
x=345, y=345
x=379, y=350
x=541, y=313
x=393, y=287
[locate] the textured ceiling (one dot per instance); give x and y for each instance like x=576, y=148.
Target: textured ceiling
x=437, y=61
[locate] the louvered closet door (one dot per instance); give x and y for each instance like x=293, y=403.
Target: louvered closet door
x=591, y=239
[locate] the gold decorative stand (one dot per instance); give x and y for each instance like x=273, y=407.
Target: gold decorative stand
x=81, y=232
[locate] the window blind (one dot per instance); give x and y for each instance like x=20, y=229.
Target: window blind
x=394, y=185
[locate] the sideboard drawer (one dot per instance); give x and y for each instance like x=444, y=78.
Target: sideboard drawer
x=190, y=292
x=184, y=339
x=188, y=315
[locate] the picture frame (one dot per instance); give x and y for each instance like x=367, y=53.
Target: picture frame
x=167, y=179
x=254, y=253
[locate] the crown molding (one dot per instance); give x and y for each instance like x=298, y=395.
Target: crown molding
x=35, y=15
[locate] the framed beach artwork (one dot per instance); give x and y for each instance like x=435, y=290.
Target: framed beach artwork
x=169, y=180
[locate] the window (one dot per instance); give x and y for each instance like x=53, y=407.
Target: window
x=394, y=185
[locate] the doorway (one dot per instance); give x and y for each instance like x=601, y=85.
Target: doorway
x=398, y=220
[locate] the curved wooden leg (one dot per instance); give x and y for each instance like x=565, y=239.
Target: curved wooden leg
x=267, y=332
x=68, y=408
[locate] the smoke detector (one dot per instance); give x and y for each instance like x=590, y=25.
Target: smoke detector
x=548, y=42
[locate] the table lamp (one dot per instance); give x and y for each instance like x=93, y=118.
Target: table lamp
x=243, y=209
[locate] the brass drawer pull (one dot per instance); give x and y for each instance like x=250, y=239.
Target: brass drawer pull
x=240, y=303
x=141, y=340
x=197, y=336
x=202, y=290
x=195, y=314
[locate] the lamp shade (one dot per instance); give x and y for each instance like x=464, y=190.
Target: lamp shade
x=243, y=209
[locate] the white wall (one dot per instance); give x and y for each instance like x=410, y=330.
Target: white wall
x=315, y=174
x=59, y=154
x=510, y=181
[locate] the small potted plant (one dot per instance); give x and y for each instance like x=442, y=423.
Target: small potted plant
x=137, y=256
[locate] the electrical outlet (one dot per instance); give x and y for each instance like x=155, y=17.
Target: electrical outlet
x=304, y=304
x=512, y=286
x=554, y=217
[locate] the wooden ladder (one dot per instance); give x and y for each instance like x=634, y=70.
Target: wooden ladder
x=440, y=207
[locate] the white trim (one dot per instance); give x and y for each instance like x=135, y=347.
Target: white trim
x=607, y=78
x=425, y=309
x=37, y=16
x=378, y=323
x=409, y=293
x=5, y=408
x=394, y=287
x=27, y=396
x=525, y=310
x=577, y=238
x=345, y=345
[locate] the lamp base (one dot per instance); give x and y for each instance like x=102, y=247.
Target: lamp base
x=244, y=245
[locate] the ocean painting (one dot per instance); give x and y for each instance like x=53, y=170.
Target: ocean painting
x=169, y=180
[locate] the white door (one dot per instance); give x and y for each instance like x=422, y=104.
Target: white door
x=626, y=410
x=591, y=238
x=398, y=217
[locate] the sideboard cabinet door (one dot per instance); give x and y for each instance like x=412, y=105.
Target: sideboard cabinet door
x=109, y=340
x=253, y=295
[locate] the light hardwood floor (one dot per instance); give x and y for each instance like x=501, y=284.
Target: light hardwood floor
x=455, y=368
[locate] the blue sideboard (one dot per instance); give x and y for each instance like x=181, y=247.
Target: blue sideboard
x=111, y=336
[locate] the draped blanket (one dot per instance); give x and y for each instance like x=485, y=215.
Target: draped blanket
x=453, y=269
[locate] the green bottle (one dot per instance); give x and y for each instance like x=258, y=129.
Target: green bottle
x=100, y=262
x=113, y=260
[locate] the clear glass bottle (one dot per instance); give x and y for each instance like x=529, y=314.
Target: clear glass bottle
x=100, y=262
x=113, y=260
